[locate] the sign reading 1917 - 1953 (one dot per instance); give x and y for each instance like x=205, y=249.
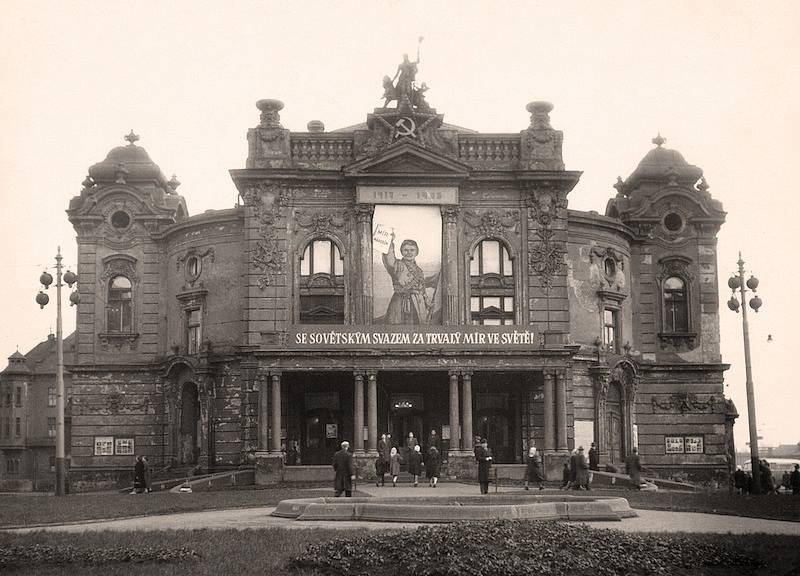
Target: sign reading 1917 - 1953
x=323, y=337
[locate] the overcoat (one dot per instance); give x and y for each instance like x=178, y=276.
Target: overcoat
x=394, y=464
x=433, y=463
x=633, y=466
x=484, y=458
x=414, y=463
x=581, y=469
x=343, y=465
x=533, y=472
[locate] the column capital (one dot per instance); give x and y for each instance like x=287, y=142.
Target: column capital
x=449, y=214
x=364, y=213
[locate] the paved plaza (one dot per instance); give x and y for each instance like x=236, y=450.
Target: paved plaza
x=259, y=518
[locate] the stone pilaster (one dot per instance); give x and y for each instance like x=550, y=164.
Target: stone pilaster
x=358, y=413
x=364, y=312
x=372, y=413
x=450, y=259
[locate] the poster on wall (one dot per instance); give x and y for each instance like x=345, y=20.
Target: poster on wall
x=673, y=444
x=407, y=262
x=331, y=431
x=693, y=444
x=103, y=445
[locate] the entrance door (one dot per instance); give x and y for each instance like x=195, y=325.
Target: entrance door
x=401, y=422
x=322, y=437
x=615, y=429
x=494, y=426
x=189, y=433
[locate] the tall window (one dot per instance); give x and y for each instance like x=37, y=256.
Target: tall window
x=676, y=305
x=611, y=330
x=321, y=284
x=51, y=396
x=120, y=295
x=18, y=402
x=17, y=427
x=51, y=426
x=12, y=466
x=7, y=428
x=193, y=330
x=491, y=272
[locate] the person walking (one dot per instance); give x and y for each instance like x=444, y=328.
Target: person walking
x=633, y=466
x=573, y=469
x=434, y=441
x=565, y=476
x=148, y=485
x=139, y=481
x=382, y=463
x=740, y=480
x=581, y=470
x=411, y=442
x=484, y=459
x=345, y=473
x=594, y=458
x=394, y=465
x=794, y=480
x=415, y=463
x=533, y=470
x=432, y=464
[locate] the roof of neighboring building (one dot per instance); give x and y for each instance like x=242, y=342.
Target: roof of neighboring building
x=41, y=359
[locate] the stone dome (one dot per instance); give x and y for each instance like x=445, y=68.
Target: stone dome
x=664, y=166
x=129, y=163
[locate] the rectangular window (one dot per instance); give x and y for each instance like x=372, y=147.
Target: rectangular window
x=8, y=398
x=51, y=396
x=18, y=427
x=123, y=446
x=51, y=426
x=193, y=332
x=103, y=445
x=18, y=402
x=611, y=330
x=12, y=466
x=7, y=428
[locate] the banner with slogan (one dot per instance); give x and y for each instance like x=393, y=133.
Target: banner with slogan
x=412, y=337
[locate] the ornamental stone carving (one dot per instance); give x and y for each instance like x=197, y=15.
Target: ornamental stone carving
x=121, y=265
x=492, y=222
x=540, y=143
x=321, y=222
x=267, y=201
x=684, y=402
x=546, y=256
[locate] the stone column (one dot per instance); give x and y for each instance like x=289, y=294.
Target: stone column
x=466, y=393
x=561, y=412
x=455, y=428
x=372, y=412
x=450, y=308
x=263, y=413
x=549, y=413
x=364, y=310
x=276, y=413
x=358, y=414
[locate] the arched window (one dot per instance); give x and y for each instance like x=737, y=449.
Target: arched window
x=491, y=280
x=120, y=296
x=676, y=305
x=321, y=283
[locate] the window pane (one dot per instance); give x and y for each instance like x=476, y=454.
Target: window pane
x=508, y=304
x=120, y=283
x=475, y=304
x=322, y=257
x=492, y=322
x=608, y=317
x=508, y=267
x=673, y=283
x=305, y=263
x=338, y=265
x=125, y=317
x=493, y=301
x=491, y=257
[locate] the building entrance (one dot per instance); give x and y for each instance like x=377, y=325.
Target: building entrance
x=189, y=432
x=615, y=425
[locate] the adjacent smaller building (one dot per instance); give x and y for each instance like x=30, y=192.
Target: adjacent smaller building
x=28, y=417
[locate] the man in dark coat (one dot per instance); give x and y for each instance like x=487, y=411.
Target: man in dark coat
x=740, y=480
x=484, y=458
x=415, y=463
x=581, y=470
x=794, y=480
x=633, y=466
x=345, y=473
x=139, y=479
x=432, y=464
x=435, y=441
x=594, y=457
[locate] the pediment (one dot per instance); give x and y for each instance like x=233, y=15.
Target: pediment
x=406, y=158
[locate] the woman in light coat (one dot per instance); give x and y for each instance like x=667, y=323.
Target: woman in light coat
x=394, y=465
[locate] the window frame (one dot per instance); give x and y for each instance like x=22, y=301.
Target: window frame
x=123, y=305
x=490, y=285
x=322, y=295
x=613, y=346
x=668, y=315
x=193, y=328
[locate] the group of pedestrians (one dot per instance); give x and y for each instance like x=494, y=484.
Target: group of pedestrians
x=389, y=460
x=743, y=481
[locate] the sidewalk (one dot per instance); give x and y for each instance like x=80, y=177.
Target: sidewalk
x=259, y=518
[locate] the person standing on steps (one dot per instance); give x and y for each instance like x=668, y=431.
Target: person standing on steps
x=484, y=459
x=381, y=464
x=594, y=458
x=394, y=465
x=432, y=464
x=533, y=471
x=415, y=463
x=633, y=466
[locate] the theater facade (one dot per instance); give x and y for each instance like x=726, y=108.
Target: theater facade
x=401, y=275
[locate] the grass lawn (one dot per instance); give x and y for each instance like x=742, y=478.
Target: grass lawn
x=31, y=510
x=500, y=549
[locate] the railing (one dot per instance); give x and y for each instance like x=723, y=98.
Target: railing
x=489, y=151
x=322, y=148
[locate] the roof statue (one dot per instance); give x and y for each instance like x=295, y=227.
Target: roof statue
x=403, y=88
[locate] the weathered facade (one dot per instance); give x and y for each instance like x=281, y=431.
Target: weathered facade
x=401, y=275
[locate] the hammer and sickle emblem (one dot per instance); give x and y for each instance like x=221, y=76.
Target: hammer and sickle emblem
x=405, y=127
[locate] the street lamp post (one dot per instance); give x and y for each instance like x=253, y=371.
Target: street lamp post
x=737, y=282
x=42, y=299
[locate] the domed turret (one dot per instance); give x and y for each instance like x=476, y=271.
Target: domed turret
x=125, y=164
x=664, y=166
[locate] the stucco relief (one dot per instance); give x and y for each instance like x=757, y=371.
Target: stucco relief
x=684, y=402
x=492, y=223
x=606, y=268
x=546, y=256
x=267, y=200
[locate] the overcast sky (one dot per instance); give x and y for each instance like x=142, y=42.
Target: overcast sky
x=718, y=79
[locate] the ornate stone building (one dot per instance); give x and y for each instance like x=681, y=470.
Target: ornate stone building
x=402, y=275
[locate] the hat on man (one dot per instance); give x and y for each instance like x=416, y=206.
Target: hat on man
x=580, y=448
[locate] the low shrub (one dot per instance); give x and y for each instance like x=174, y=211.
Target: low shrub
x=40, y=554
x=517, y=548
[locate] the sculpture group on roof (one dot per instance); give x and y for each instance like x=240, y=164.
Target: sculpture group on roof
x=405, y=90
